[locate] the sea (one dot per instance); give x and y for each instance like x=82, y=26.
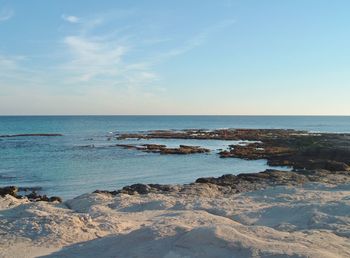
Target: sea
x=85, y=159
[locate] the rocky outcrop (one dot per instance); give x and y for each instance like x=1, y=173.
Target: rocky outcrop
x=33, y=196
x=220, y=134
x=163, y=149
x=314, y=157
x=231, y=184
x=11, y=190
x=305, y=157
x=142, y=189
x=297, y=149
x=323, y=151
x=255, y=151
x=254, y=181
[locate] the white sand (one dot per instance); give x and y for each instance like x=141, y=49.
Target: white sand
x=313, y=221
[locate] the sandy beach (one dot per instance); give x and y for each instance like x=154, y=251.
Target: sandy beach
x=283, y=221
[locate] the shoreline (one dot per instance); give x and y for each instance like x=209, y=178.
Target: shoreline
x=207, y=218
x=299, y=213
x=227, y=184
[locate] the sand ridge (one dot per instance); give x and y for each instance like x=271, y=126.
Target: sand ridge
x=282, y=221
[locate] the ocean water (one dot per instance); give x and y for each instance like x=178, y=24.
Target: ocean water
x=68, y=166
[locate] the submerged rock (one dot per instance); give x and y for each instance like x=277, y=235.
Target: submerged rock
x=163, y=149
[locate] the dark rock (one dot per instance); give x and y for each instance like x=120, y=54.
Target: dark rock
x=162, y=149
x=136, y=188
x=253, y=181
x=11, y=190
x=322, y=164
x=255, y=151
x=44, y=198
x=161, y=188
x=55, y=199
x=33, y=196
x=154, y=146
x=107, y=192
x=140, y=189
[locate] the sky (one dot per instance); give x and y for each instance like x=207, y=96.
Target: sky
x=224, y=57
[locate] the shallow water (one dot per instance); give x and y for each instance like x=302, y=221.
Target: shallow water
x=83, y=159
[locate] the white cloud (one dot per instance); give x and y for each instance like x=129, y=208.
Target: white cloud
x=70, y=18
x=6, y=14
x=103, y=60
x=92, y=58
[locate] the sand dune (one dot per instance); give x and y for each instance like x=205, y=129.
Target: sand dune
x=308, y=221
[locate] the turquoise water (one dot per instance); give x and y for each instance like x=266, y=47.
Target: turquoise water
x=67, y=166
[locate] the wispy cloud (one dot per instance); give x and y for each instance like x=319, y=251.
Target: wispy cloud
x=114, y=57
x=70, y=18
x=6, y=14
x=103, y=59
x=195, y=41
x=96, y=57
x=93, y=58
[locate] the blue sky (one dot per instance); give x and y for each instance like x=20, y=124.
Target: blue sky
x=175, y=57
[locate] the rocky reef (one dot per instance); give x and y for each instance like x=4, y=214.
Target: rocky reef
x=219, y=134
x=281, y=147
x=163, y=149
x=309, y=151
x=314, y=157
